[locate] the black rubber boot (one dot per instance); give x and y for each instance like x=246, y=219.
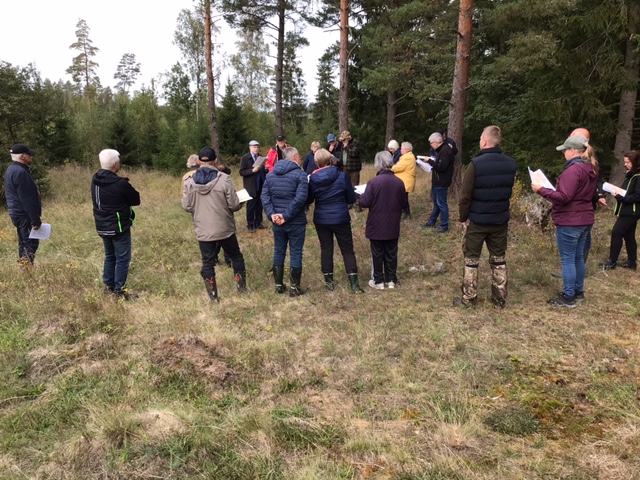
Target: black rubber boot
x=328, y=281
x=295, y=275
x=355, y=283
x=278, y=275
x=241, y=281
x=212, y=289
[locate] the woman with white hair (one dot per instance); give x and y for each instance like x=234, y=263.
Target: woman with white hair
x=394, y=148
x=385, y=197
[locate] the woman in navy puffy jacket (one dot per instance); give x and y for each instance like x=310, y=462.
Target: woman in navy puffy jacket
x=333, y=193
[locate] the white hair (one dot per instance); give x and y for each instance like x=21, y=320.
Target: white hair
x=383, y=161
x=407, y=146
x=289, y=152
x=16, y=157
x=108, y=158
x=436, y=137
x=393, y=144
x=192, y=161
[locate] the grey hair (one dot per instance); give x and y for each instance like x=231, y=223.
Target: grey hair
x=383, y=160
x=289, y=152
x=322, y=157
x=407, y=146
x=192, y=161
x=108, y=158
x=315, y=143
x=436, y=137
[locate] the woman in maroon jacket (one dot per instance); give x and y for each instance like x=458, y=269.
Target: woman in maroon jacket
x=385, y=197
x=572, y=214
x=628, y=211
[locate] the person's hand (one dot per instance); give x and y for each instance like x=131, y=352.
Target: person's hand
x=36, y=227
x=535, y=187
x=602, y=201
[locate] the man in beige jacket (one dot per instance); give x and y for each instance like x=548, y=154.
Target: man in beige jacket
x=211, y=199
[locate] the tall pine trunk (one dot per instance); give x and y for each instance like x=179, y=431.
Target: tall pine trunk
x=280, y=67
x=392, y=110
x=213, y=124
x=627, y=97
x=455, y=128
x=343, y=116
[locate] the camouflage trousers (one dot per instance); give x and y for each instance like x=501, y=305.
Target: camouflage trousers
x=495, y=237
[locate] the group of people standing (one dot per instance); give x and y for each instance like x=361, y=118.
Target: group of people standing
x=285, y=185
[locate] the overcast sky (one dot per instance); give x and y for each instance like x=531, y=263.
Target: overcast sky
x=41, y=31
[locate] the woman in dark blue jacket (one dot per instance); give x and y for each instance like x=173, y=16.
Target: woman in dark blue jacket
x=333, y=193
x=627, y=210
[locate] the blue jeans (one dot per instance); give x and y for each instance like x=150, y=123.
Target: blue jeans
x=571, y=241
x=26, y=246
x=117, y=257
x=440, y=207
x=293, y=235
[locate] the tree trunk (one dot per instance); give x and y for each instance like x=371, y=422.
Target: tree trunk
x=343, y=118
x=627, y=97
x=280, y=68
x=213, y=124
x=392, y=110
x=455, y=128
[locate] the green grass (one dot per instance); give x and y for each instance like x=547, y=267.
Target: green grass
x=386, y=385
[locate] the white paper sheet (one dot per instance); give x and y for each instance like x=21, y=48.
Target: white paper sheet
x=540, y=178
x=243, y=195
x=608, y=187
x=422, y=164
x=42, y=233
x=360, y=188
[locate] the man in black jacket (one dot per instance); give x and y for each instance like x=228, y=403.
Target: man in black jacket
x=484, y=213
x=441, y=176
x=113, y=196
x=253, y=174
x=23, y=201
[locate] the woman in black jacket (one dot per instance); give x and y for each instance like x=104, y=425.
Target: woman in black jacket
x=627, y=210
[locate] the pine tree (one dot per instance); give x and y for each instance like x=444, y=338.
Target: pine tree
x=233, y=133
x=127, y=72
x=83, y=68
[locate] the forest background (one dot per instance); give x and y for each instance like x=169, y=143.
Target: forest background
x=538, y=69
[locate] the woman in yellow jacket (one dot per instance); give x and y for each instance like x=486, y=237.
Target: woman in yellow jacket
x=405, y=170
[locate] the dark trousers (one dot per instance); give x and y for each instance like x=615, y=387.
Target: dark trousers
x=26, y=246
x=354, y=176
x=407, y=209
x=624, y=229
x=254, y=212
x=495, y=236
x=345, y=242
x=384, y=257
x=209, y=254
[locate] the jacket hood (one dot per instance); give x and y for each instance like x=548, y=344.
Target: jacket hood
x=103, y=178
x=325, y=176
x=205, y=175
x=283, y=167
x=204, y=179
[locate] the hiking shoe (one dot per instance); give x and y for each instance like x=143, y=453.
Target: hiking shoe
x=428, y=225
x=556, y=274
x=377, y=286
x=442, y=230
x=630, y=266
x=461, y=302
x=608, y=265
x=563, y=301
x=579, y=296
x=391, y=285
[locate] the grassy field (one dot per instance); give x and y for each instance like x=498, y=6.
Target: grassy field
x=387, y=385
